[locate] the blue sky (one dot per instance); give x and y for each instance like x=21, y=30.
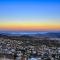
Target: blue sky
x=30, y=10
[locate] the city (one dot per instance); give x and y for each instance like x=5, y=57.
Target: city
x=29, y=48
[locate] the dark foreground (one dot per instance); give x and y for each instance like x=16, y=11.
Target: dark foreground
x=6, y=57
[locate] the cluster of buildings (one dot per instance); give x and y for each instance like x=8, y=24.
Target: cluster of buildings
x=20, y=51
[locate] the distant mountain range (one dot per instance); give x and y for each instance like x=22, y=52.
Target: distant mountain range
x=33, y=34
x=51, y=34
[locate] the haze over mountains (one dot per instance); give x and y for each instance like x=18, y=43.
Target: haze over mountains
x=33, y=34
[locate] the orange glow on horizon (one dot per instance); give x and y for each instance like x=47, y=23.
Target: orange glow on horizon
x=30, y=27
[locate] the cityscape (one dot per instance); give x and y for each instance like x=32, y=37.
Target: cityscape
x=29, y=47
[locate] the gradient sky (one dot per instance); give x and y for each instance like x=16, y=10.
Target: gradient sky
x=30, y=15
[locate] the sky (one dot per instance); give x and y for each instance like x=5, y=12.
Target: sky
x=30, y=15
